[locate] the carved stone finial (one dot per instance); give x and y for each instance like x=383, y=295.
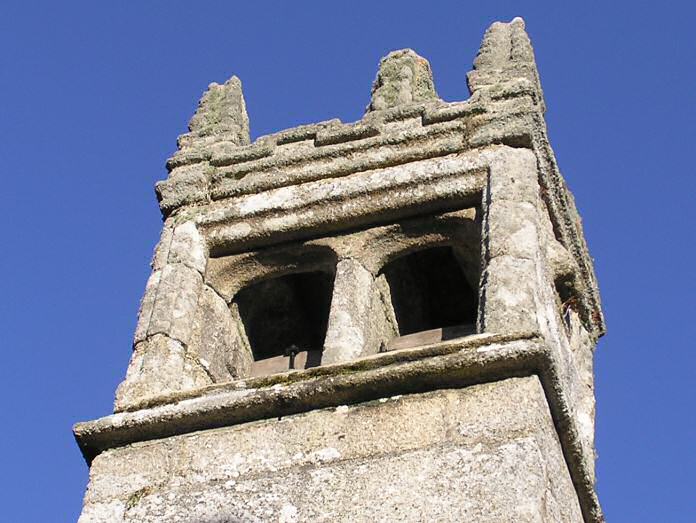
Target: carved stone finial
x=222, y=112
x=220, y=117
x=505, y=54
x=404, y=77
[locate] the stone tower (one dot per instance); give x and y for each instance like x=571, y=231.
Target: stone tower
x=387, y=320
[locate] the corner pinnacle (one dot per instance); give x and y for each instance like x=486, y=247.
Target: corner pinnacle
x=505, y=54
x=222, y=112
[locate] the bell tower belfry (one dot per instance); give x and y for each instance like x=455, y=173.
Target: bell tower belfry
x=386, y=320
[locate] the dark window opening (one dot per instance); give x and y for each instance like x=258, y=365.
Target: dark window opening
x=429, y=290
x=287, y=314
x=567, y=299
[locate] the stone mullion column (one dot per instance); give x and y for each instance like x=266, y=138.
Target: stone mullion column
x=349, y=329
x=161, y=362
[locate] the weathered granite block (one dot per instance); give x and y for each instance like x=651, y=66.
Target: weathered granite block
x=176, y=302
x=403, y=78
x=509, y=295
x=349, y=329
x=160, y=365
x=188, y=247
x=216, y=341
x=147, y=305
x=186, y=185
x=484, y=453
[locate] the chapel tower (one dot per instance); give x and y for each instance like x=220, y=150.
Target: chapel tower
x=387, y=320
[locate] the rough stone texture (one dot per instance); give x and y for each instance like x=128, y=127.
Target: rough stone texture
x=483, y=453
x=506, y=108
x=159, y=365
x=512, y=253
x=163, y=359
x=505, y=70
x=196, y=438
x=455, y=363
x=176, y=302
x=221, y=112
x=506, y=54
x=188, y=247
x=221, y=119
x=216, y=339
x=352, y=322
x=327, y=206
x=147, y=304
x=373, y=247
x=186, y=185
x=403, y=78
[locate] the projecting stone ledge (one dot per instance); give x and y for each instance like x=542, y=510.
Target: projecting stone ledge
x=483, y=453
x=456, y=364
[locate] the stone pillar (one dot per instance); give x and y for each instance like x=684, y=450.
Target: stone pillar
x=349, y=330
x=510, y=244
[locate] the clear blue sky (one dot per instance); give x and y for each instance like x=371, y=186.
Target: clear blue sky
x=93, y=95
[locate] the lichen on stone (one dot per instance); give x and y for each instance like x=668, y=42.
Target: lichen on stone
x=404, y=77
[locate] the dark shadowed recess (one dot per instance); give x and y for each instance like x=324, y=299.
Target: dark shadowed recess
x=429, y=290
x=286, y=311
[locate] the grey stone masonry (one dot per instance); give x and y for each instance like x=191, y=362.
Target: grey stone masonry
x=387, y=320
